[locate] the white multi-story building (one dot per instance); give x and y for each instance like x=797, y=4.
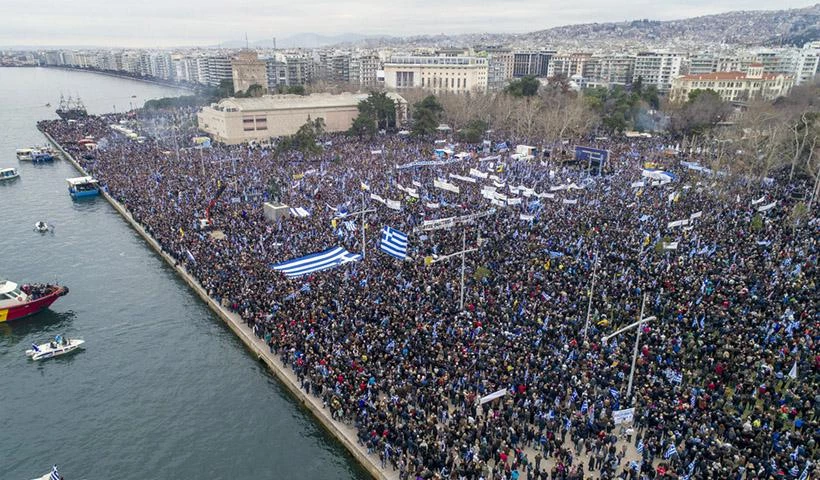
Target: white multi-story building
x=363, y=68
x=658, y=68
x=734, y=86
x=439, y=74
x=807, y=63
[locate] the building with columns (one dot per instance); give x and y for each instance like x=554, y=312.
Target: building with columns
x=436, y=73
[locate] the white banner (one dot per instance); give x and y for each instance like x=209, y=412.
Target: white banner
x=492, y=396
x=526, y=218
x=432, y=205
x=696, y=215
x=670, y=246
x=766, y=207
x=444, y=185
x=623, y=416
x=477, y=173
x=637, y=184
x=759, y=200
x=677, y=223
x=570, y=202
x=545, y=195
x=514, y=201
x=463, y=179
x=377, y=198
x=394, y=204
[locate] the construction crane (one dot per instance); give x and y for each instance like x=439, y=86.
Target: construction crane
x=205, y=223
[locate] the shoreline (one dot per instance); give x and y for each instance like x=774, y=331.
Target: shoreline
x=123, y=76
x=345, y=434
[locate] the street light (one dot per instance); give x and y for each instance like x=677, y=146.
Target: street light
x=463, y=252
x=637, y=341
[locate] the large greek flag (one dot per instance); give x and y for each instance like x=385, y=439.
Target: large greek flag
x=393, y=242
x=316, y=262
x=55, y=475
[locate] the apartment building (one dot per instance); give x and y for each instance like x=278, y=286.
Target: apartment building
x=658, y=68
x=734, y=86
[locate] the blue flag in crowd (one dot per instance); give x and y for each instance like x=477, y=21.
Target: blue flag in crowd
x=316, y=262
x=394, y=243
x=670, y=452
x=640, y=446
x=584, y=407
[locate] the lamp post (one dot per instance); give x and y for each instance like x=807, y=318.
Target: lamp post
x=463, y=252
x=591, y=290
x=641, y=321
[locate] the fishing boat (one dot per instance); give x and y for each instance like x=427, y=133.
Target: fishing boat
x=55, y=348
x=8, y=174
x=52, y=475
x=41, y=227
x=83, y=187
x=21, y=301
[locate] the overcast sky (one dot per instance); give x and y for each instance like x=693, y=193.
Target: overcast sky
x=151, y=23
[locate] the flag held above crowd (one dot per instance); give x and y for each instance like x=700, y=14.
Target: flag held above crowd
x=316, y=262
x=393, y=242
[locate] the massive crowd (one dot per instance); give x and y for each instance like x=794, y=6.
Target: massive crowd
x=726, y=379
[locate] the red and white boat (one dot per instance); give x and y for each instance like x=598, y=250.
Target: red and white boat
x=18, y=302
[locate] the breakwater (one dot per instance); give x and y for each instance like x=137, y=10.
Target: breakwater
x=344, y=433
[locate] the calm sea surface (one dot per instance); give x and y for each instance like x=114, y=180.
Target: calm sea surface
x=163, y=389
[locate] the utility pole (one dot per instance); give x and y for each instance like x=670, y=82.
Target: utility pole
x=591, y=290
x=641, y=320
x=464, y=251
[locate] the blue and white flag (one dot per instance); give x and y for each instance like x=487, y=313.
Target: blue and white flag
x=640, y=446
x=794, y=471
x=671, y=451
x=55, y=475
x=501, y=146
x=316, y=262
x=35, y=347
x=394, y=243
x=633, y=465
x=584, y=406
x=805, y=474
x=615, y=394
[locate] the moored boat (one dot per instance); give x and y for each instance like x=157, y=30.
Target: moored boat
x=55, y=348
x=18, y=302
x=83, y=187
x=34, y=154
x=52, y=475
x=8, y=174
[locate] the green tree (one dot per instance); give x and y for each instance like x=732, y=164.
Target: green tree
x=295, y=90
x=364, y=125
x=426, y=115
x=225, y=88
x=524, y=87
x=473, y=131
x=255, y=91
x=377, y=111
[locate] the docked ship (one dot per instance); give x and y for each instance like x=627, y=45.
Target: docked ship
x=22, y=301
x=71, y=109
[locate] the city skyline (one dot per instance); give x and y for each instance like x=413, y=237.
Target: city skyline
x=152, y=23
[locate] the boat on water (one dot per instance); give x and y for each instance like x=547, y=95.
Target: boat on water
x=80, y=187
x=41, y=227
x=34, y=155
x=71, y=109
x=21, y=301
x=8, y=174
x=59, y=346
x=52, y=475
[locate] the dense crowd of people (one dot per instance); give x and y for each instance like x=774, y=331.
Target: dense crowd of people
x=726, y=377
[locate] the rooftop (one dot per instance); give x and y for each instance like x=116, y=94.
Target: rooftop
x=728, y=76
x=281, y=102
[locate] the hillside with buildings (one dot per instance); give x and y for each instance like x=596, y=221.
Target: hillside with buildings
x=731, y=29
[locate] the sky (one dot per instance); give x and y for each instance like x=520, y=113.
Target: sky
x=158, y=23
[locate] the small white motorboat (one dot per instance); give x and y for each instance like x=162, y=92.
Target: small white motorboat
x=59, y=346
x=41, y=227
x=8, y=173
x=52, y=475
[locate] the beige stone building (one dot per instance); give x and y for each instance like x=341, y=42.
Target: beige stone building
x=439, y=74
x=248, y=70
x=734, y=86
x=238, y=120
